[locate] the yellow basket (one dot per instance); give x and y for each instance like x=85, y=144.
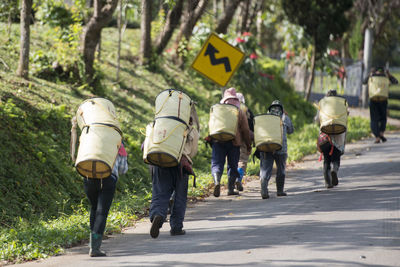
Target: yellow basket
x=98, y=149
x=96, y=110
x=333, y=114
x=268, y=132
x=378, y=87
x=164, y=142
x=173, y=103
x=223, y=122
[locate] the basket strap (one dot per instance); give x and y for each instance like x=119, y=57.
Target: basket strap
x=73, y=138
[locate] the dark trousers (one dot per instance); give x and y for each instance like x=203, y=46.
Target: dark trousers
x=165, y=182
x=378, y=116
x=100, y=193
x=221, y=151
x=266, y=164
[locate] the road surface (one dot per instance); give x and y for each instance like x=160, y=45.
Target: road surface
x=356, y=223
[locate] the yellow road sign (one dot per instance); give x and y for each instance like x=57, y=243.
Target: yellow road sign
x=218, y=60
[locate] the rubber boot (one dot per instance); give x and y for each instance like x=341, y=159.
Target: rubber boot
x=231, y=187
x=217, y=184
x=238, y=182
x=327, y=175
x=264, y=189
x=335, y=168
x=95, y=243
x=280, y=183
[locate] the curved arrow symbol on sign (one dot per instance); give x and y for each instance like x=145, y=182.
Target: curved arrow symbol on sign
x=210, y=51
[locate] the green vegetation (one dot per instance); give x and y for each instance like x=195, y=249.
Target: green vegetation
x=43, y=206
x=394, y=98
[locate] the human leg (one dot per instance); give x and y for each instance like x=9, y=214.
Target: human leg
x=374, y=112
x=179, y=208
x=335, y=166
x=382, y=119
x=266, y=164
x=280, y=160
x=326, y=148
x=219, y=152
x=162, y=189
x=242, y=166
x=233, y=174
x=101, y=194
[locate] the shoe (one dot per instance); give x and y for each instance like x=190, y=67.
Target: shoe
x=156, y=225
x=281, y=194
x=217, y=190
x=177, y=232
x=265, y=196
x=232, y=193
x=335, y=180
x=377, y=141
x=328, y=185
x=383, y=139
x=239, y=186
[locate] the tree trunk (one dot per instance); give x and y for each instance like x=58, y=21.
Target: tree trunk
x=259, y=23
x=193, y=14
x=145, y=28
x=215, y=10
x=119, y=38
x=311, y=78
x=245, y=15
x=23, y=64
x=253, y=16
x=173, y=18
x=226, y=19
x=91, y=35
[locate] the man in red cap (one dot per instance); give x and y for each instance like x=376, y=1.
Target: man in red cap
x=230, y=149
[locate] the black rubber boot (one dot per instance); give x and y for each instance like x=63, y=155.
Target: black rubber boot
x=217, y=184
x=231, y=187
x=264, y=189
x=327, y=175
x=95, y=243
x=280, y=183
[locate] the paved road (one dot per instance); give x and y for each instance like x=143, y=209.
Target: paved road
x=354, y=224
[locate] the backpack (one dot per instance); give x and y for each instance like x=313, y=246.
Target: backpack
x=323, y=139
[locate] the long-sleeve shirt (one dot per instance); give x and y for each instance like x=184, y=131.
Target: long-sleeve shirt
x=287, y=129
x=242, y=131
x=120, y=165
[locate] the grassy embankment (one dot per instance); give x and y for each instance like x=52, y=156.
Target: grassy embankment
x=42, y=203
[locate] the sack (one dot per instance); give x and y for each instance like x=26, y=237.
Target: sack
x=323, y=139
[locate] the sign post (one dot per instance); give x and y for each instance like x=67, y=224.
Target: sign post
x=218, y=60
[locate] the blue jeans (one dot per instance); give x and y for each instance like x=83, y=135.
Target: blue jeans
x=165, y=182
x=221, y=151
x=100, y=193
